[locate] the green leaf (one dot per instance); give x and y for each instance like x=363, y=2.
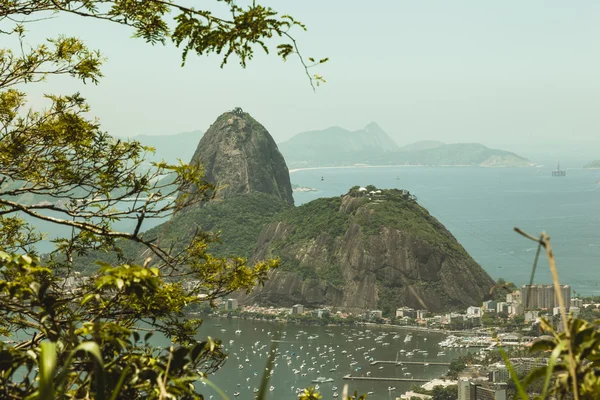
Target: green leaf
x=513, y=375
x=551, y=362
x=47, y=368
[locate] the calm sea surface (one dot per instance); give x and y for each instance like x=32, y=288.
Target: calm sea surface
x=348, y=350
x=480, y=206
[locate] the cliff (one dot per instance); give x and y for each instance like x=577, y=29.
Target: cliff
x=365, y=251
x=240, y=156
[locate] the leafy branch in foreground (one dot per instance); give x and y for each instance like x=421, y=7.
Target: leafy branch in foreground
x=67, y=336
x=573, y=370
x=236, y=30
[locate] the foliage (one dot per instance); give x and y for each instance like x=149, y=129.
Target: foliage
x=69, y=337
x=397, y=211
x=501, y=289
x=456, y=367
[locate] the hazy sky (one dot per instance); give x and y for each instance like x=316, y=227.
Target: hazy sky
x=508, y=74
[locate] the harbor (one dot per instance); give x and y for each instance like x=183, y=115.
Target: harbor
x=400, y=363
x=374, y=378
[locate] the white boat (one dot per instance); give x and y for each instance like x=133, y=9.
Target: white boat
x=408, y=338
x=322, y=379
x=271, y=388
x=335, y=394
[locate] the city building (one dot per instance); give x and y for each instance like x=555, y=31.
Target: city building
x=516, y=309
x=480, y=390
x=231, y=305
x=375, y=314
x=412, y=395
x=576, y=303
x=531, y=315
x=489, y=305
x=526, y=364
x=499, y=373
x=421, y=314
x=535, y=297
x=502, y=307
x=406, y=312
x=474, y=311
x=514, y=297
x=298, y=309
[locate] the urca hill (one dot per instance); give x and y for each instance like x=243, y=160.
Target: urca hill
x=366, y=249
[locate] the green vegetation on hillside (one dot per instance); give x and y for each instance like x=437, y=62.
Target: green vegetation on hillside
x=393, y=209
x=238, y=220
x=318, y=217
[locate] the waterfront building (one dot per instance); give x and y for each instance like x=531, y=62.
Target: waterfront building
x=421, y=314
x=543, y=297
x=375, y=314
x=297, y=309
x=412, y=395
x=406, y=312
x=231, y=305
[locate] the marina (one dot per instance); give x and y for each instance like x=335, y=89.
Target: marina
x=371, y=378
x=399, y=363
x=333, y=357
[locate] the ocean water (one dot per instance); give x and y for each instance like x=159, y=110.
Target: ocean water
x=481, y=206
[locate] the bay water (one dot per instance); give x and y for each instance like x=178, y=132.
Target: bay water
x=321, y=351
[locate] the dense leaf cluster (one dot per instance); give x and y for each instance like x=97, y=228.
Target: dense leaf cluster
x=67, y=336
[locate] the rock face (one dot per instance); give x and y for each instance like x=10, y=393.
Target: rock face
x=357, y=253
x=240, y=156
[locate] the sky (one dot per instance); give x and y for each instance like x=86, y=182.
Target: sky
x=512, y=74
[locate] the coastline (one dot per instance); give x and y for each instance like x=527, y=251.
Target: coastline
x=293, y=170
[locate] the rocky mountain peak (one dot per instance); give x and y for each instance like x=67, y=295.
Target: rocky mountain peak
x=240, y=156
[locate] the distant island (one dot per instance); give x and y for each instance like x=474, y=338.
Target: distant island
x=336, y=146
x=593, y=165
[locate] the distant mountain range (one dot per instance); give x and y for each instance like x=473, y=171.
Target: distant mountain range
x=336, y=146
x=171, y=147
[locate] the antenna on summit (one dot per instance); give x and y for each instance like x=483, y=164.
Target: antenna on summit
x=238, y=111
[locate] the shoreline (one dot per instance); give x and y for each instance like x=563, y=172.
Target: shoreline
x=294, y=170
